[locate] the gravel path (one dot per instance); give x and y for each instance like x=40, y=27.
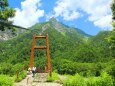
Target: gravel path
x=48, y=84
x=31, y=82
x=24, y=82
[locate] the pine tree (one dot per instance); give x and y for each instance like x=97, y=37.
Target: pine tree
x=113, y=9
x=5, y=13
x=112, y=35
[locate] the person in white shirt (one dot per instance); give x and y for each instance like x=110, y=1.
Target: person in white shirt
x=34, y=71
x=29, y=74
x=29, y=70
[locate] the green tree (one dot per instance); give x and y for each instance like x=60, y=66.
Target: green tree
x=113, y=9
x=112, y=35
x=5, y=13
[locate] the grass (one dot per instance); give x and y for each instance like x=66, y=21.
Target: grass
x=55, y=77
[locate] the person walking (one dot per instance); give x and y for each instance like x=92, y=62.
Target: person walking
x=34, y=71
x=28, y=74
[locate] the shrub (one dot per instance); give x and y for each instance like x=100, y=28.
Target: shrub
x=22, y=75
x=76, y=80
x=54, y=77
x=5, y=68
x=112, y=71
x=67, y=67
x=5, y=80
x=15, y=68
x=103, y=80
x=84, y=69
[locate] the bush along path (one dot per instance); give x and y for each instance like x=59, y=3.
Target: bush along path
x=41, y=79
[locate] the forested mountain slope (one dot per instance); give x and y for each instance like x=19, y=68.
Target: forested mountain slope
x=62, y=39
x=65, y=43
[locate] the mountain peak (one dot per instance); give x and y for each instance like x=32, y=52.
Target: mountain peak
x=56, y=24
x=53, y=19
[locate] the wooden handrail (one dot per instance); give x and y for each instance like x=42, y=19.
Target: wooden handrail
x=17, y=73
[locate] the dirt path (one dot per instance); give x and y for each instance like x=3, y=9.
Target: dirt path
x=24, y=81
x=39, y=80
x=48, y=84
x=62, y=77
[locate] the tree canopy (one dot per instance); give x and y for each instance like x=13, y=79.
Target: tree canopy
x=112, y=34
x=6, y=12
x=113, y=9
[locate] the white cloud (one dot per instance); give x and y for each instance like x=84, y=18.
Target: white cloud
x=70, y=15
x=98, y=11
x=29, y=13
x=104, y=22
x=65, y=8
x=49, y=16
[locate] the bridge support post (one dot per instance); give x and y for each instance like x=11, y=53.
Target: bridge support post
x=48, y=68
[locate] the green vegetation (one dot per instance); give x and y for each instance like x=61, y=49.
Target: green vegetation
x=22, y=75
x=87, y=60
x=113, y=9
x=6, y=80
x=5, y=13
x=55, y=77
x=77, y=80
x=111, y=38
x=70, y=53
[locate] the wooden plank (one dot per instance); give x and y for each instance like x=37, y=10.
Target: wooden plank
x=40, y=47
x=40, y=37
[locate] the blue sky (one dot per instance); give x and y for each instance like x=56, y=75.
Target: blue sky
x=91, y=16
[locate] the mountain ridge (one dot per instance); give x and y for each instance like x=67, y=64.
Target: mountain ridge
x=79, y=31
x=5, y=35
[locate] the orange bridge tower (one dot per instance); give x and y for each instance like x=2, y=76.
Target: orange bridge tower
x=48, y=68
